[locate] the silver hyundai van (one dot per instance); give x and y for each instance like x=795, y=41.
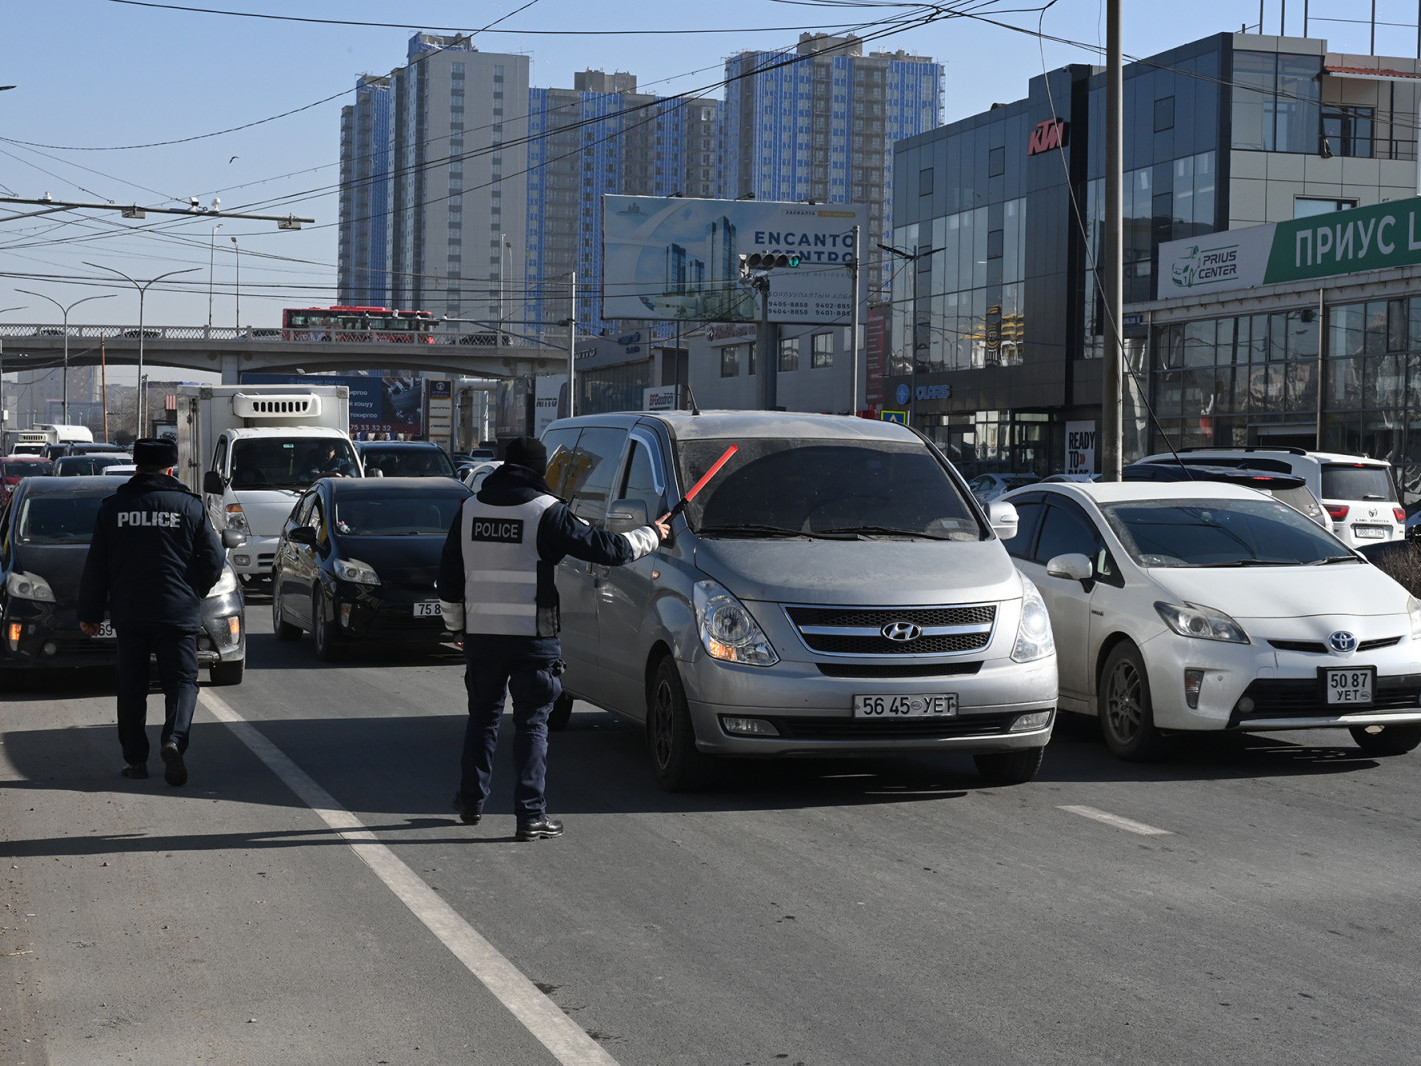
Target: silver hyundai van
x=834, y=589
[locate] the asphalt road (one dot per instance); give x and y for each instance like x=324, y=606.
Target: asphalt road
x=308, y=898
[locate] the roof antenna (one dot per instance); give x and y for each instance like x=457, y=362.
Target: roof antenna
x=691, y=396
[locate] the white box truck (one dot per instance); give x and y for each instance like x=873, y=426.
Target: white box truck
x=250, y=450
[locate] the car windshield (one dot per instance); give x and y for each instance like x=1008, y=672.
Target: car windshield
x=1220, y=532
x=274, y=463
x=408, y=462
x=77, y=465
x=27, y=469
x=778, y=486
x=1345, y=481
x=397, y=516
x=58, y=519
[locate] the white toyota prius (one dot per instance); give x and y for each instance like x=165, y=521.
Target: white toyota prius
x=1195, y=606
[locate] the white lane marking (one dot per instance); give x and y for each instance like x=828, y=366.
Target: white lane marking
x=568, y=1043
x=1117, y=821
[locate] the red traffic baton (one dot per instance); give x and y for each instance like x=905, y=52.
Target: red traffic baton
x=691, y=494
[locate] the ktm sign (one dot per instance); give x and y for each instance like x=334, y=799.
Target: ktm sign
x=1048, y=135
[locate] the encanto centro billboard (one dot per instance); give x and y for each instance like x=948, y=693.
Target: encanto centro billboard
x=1319, y=246
x=672, y=258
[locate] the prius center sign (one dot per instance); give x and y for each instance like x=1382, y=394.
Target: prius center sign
x=1319, y=246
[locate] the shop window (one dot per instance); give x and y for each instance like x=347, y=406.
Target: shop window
x=821, y=352
x=789, y=354
x=730, y=361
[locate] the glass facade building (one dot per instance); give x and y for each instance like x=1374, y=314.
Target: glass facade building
x=997, y=319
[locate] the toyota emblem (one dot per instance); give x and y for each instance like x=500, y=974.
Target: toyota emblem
x=1342, y=642
x=902, y=631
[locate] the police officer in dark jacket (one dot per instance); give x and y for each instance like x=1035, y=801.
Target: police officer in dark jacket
x=154, y=556
x=496, y=586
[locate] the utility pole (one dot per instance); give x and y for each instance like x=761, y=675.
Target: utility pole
x=572, y=351
x=1114, y=290
x=912, y=258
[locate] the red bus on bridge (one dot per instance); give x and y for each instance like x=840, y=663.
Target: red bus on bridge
x=356, y=324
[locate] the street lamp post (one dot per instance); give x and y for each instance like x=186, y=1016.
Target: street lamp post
x=142, y=288
x=211, y=270
x=3, y=310
x=65, y=310
x=237, y=287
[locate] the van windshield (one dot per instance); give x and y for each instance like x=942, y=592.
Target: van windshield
x=851, y=489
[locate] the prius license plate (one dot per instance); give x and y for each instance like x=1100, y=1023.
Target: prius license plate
x=429, y=609
x=931, y=705
x=1350, y=686
x=105, y=630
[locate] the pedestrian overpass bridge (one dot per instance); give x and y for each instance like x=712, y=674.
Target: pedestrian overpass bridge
x=230, y=352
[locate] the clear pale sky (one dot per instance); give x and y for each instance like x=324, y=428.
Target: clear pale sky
x=133, y=100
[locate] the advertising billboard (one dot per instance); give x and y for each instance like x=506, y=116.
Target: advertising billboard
x=677, y=258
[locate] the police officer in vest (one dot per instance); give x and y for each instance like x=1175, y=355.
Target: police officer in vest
x=496, y=586
x=154, y=556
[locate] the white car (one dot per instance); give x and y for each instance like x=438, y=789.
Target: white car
x=1196, y=606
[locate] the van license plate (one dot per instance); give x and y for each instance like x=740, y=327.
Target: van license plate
x=428, y=610
x=1369, y=532
x=1349, y=686
x=934, y=705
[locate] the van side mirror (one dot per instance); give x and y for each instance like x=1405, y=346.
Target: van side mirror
x=1073, y=566
x=1003, y=518
x=233, y=538
x=212, y=483
x=623, y=516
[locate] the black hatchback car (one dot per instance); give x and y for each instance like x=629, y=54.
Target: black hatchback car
x=45, y=529
x=358, y=560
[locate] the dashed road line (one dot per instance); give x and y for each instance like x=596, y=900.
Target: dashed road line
x=567, y=1042
x=1115, y=820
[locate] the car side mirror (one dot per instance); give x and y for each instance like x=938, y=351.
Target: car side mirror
x=374, y=471
x=1073, y=566
x=623, y=516
x=212, y=483
x=1003, y=518
x=233, y=538
x=302, y=535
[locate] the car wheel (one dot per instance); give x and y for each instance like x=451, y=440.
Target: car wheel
x=229, y=673
x=1126, y=714
x=1386, y=739
x=322, y=631
x=283, y=629
x=1010, y=767
x=670, y=737
x=561, y=712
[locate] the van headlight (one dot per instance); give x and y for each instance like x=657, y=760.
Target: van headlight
x=728, y=631
x=356, y=572
x=23, y=585
x=1033, y=632
x=1204, y=623
x=226, y=584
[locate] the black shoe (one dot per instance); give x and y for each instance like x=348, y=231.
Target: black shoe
x=544, y=827
x=174, y=772
x=135, y=770
x=467, y=815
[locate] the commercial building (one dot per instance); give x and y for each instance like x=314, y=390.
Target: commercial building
x=997, y=325
x=363, y=249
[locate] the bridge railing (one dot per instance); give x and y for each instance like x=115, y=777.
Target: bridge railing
x=262, y=334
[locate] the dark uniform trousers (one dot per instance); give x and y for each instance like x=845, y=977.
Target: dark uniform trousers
x=176, y=652
x=534, y=689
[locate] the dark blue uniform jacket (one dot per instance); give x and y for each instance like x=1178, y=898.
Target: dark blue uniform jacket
x=560, y=533
x=153, y=558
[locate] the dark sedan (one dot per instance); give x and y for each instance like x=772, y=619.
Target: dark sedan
x=357, y=562
x=45, y=529
x=404, y=458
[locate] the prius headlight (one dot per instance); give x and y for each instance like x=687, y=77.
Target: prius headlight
x=356, y=572
x=1204, y=623
x=1034, y=639
x=728, y=631
x=1413, y=608
x=23, y=585
x=226, y=584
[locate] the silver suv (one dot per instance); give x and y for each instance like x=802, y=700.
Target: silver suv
x=1358, y=492
x=833, y=590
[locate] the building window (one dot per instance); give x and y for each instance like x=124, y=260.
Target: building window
x=789, y=354
x=1164, y=114
x=996, y=162
x=821, y=350
x=1307, y=206
x=730, y=361
x=925, y=181
x=1347, y=131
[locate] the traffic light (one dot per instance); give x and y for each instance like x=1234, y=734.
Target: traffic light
x=770, y=260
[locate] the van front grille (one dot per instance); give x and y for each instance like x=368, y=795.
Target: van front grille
x=901, y=631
